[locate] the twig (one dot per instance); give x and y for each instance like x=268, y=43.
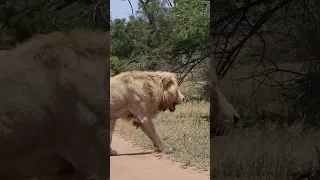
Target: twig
x=131, y=7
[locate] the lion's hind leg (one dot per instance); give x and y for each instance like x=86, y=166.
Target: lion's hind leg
x=112, y=126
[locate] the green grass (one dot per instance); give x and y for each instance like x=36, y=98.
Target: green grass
x=186, y=131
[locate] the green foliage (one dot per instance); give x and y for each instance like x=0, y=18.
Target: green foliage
x=128, y=38
x=192, y=25
x=116, y=66
x=159, y=36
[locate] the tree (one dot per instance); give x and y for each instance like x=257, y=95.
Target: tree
x=167, y=35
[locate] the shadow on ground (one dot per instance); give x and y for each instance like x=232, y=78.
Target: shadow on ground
x=134, y=154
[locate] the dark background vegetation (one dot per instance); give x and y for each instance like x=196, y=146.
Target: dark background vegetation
x=266, y=53
x=275, y=45
x=21, y=19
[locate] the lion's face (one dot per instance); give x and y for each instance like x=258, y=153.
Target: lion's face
x=176, y=95
x=173, y=96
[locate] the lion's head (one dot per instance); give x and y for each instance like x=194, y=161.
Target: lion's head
x=223, y=116
x=171, y=93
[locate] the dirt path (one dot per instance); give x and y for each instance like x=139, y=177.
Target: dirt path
x=133, y=164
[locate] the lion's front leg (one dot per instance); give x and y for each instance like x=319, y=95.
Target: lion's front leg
x=148, y=128
x=113, y=122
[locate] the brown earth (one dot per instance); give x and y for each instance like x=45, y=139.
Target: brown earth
x=137, y=164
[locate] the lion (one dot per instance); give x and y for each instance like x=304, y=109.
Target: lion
x=54, y=106
x=141, y=96
x=222, y=113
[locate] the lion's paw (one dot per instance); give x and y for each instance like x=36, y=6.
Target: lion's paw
x=156, y=150
x=113, y=152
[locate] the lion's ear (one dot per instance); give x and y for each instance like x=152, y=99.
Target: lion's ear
x=167, y=81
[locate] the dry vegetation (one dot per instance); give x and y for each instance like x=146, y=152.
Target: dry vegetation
x=265, y=150
x=265, y=153
x=186, y=131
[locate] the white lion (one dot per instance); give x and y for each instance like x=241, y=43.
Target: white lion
x=141, y=96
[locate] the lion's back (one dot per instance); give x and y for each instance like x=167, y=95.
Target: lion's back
x=134, y=91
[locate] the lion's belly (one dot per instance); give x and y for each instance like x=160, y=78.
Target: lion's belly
x=120, y=113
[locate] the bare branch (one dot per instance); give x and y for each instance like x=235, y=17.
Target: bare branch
x=230, y=58
x=131, y=7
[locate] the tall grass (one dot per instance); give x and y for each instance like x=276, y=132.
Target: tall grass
x=265, y=153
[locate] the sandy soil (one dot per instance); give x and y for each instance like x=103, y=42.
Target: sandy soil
x=137, y=164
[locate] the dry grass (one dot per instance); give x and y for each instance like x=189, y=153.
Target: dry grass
x=186, y=131
x=267, y=153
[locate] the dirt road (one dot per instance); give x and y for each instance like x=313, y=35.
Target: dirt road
x=133, y=164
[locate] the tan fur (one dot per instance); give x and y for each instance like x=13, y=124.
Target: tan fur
x=141, y=96
x=222, y=113
x=53, y=104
